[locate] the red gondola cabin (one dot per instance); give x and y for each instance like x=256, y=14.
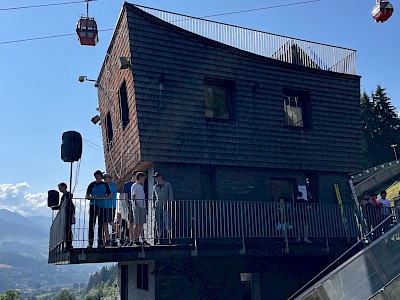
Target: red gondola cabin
x=86, y=28
x=382, y=11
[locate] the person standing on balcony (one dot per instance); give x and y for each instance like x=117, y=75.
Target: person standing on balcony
x=303, y=215
x=66, y=199
x=98, y=192
x=127, y=196
x=376, y=214
x=368, y=210
x=139, y=209
x=121, y=229
x=111, y=206
x=162, y=197
x=283, y=225
x=385, y=211
x=396, y=201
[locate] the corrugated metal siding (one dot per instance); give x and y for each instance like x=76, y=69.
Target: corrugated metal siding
x=171, y=116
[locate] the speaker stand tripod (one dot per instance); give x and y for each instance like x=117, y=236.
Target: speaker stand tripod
x=70, y=181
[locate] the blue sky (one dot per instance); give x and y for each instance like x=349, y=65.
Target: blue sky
x=41, y=96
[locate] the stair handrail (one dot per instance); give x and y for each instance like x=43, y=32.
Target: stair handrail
x=363, y=239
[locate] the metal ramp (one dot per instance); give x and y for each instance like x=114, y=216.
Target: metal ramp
x=373, y=273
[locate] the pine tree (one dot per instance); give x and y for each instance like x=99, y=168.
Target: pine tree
x=381, y=127
x=10, y=295
x=367, y=132
x=65, y=295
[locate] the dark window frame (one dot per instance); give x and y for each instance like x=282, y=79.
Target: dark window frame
x=142, y=277
x=208, y=184
x=123, y=104
x=124, y=282
x=293, y=185
x=304, y=99
x=229, y=87
x=109, y=130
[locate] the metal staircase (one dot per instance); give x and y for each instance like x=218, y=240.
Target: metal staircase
x=372, y=273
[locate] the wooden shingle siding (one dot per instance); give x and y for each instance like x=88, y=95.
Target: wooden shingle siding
x=167, y=116
x=124, y=155
x=258, y=135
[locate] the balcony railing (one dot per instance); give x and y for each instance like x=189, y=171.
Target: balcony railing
x=287, y=49
x=218, y=220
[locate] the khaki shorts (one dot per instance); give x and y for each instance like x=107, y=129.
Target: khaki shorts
x=139, y=215
x=130, y=214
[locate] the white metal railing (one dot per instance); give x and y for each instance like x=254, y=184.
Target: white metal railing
x=216, y=220
x=291, y=50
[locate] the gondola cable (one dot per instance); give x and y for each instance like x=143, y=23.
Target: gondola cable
x=110, y=29
x=42, y=5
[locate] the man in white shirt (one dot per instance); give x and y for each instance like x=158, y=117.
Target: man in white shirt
x=139, y=208
x=382, y=201
x=385, y=211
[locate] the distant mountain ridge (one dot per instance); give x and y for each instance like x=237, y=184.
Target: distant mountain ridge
x=24, y=243
x=24, y=234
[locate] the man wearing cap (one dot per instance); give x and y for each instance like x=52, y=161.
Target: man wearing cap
x=162, y=197
x=385, y=211
x=98, y=192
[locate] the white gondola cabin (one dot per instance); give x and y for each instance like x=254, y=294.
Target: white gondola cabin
x=382, y=11
x=86, y=28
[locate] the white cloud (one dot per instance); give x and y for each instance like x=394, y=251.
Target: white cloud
x=17, y=197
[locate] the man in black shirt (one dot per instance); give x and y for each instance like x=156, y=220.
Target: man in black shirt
x=98, y=192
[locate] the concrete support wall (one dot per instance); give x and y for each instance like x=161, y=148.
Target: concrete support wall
x=132, y=291
x=220, y=278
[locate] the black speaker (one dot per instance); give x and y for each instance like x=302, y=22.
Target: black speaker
x=71, y=147
x=53, y=197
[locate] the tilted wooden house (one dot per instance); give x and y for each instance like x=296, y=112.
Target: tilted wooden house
x=224, y=122
x=235, y=119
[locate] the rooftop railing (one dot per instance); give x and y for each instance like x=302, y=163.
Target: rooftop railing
x=217, y=220
x=283, y=48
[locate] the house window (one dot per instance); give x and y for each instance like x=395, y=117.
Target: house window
x=219, y=98
x=246, y=282
x=296, y=105
x=283, y=188
x=109, y=131
x=124, y=282
x=251, y=288
x=142, y=277
x=208, y=183
x=123, y=105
